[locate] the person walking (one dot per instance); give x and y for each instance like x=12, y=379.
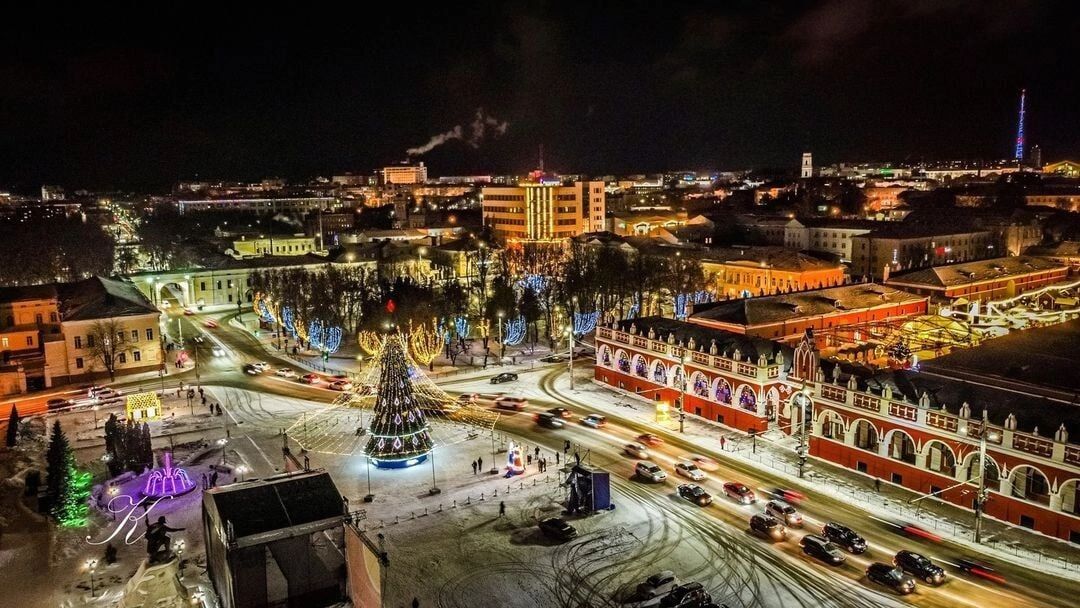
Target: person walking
x=723, y=442
x=480, y=463
x=556, y=459
x=537, y=452
x=877, y=484
x=528, y=459
x=566, y=447
x=502, y=508
x=474, y=467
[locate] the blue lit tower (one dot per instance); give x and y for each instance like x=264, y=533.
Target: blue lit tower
x=1020, y=129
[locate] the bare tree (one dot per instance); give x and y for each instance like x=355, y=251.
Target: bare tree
x=108, y=339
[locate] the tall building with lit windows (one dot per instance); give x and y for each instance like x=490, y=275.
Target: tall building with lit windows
x=542, y=208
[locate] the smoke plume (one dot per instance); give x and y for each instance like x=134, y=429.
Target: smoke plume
x=481, y=126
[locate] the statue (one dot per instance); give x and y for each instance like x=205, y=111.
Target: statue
x=157, y=541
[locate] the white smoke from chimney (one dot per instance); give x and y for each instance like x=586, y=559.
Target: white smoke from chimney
x=478, y=131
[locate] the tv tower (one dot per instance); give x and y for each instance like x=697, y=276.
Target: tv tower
x=1019, y=155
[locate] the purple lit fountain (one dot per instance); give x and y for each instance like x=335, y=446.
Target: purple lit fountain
x=167, y=481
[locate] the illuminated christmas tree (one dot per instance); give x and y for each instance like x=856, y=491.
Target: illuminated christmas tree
x=400, y=435
x=67, y=488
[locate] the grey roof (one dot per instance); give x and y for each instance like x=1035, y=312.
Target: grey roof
x=726, y=342
x=780, y=258
x=1064, y=248
x=28, y=292
x=102, y=298
x=798, y=305
x=953, y=275
x=276, y=503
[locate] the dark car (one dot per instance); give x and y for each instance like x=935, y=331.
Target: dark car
x=891, y=576
x=974, y=568
x=557, y=528
x=768, y=526
x=549, y=420
x=504, y=377
x=918, y=565
x=821, y=548
x=251, y=370
x=56, y=404
x=690, y=594
x=561, y=412
x=844, y=536
x=553, y=359
x=695, y=494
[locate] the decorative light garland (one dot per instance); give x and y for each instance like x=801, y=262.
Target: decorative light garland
x=584, y=322
x=514, y=331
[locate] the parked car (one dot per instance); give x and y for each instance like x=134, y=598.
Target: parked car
x=594, y=420
x=561, y=412
x=511, y=403
x=504, y=377
x=704, y=462
x=891, y=576
x=920, y=566
x=768, y=526
x=689, y=594
x=557, y=528
x=57, y=403
x=844, y=536
x=650, y=471
x=262, y=366
x=695, y=494
x=309, y=379
x=285, y=372
x=650, y=440
x=341, y=385
x=217, y=351
x=548, y=420
x=820, y=547
x=784, y=512
x=636, y=450
x=251, y=370
x=739, y=492
x=657, y=584
x=689, y=470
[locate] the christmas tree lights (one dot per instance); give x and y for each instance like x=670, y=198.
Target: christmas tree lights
x=400, y=434
x=370, y=342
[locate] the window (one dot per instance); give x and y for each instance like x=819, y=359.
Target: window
x=90, y=341
x=134, y=335
x=230, y=297
x=219, y=284
x=78, y=363
x=230, y=284
x=1027, y=522
x=860, y=466
x=29, y=340
x=123, y=357
x=78, y=341
x=52, y=317
x=898, y=479
x=150, y=335
x=38, y=318
x=137, y=355
x=4, y=342
x=119, y=337
x=202, y=285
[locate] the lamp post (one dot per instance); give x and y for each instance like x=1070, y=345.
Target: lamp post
x=178, y=548
x=223, y=442
x=434, y=488
x=682, y=399
x=494, y=467
x=981, y=497
x=502, y=345
x=803, y=400
x=91, y=565
x=369, y=496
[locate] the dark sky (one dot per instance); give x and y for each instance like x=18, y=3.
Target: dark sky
x=141, y=99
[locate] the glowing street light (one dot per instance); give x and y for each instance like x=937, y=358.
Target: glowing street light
x=178, y=549
x=91, y=565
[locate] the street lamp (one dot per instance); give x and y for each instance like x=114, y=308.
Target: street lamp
x=982, y=495
x=241, y=469
x=222, y=442
x=91, y=565
x=434, y=488
x=682, y=400
x=502, y=345
x=570, y=332
x=494, y=467
x=178, y=549
x=802, y=400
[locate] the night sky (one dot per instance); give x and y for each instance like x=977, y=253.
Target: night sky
x=139, y=99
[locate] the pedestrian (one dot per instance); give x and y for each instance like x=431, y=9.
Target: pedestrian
x=474, y=467
x=502, y=508
x=480, y=463
x=537, y=451
x=566, y=447
x=528, y=459
x=877, y=484
x=200, y=391
x=723, y=442
x=203, y=398
x=556, y=459
x=213, y=480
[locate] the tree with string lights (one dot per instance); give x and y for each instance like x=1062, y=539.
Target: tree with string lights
x=400, y=435
x=426, y=343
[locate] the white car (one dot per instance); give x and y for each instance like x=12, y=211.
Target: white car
x=262, y=366
x=594, y=420
x=341, y=385
x=784, y=512
x=689, y=470
x=650, y=471
x=286, y=373
x=218, y=351
x=635, y=450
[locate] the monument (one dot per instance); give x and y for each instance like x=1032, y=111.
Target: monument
x=157, y=581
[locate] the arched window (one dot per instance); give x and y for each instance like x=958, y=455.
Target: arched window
x=901, y=447
x=940, y=458
x=659, y=374
x=866, y=436
x=832, y=425
x=605, y=356
x=993, y=475
x=1030, y=484
x=701, y=384
x=747, y=399
x=641, y=369
x=624, y=363
x=723, y=391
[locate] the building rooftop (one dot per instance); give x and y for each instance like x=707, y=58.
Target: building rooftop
x=26, y=293
x=1064, y=248
x=798, y=305
x=919, y=230
x=953, y=275
x=726, y=342
x=102, y=298
x=276, y=503
x=780, y=258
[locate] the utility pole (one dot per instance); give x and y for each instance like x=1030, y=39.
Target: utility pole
x=682, y=399
x=571, y=330
x=980, y=498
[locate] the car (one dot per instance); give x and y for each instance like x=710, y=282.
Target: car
x=557, y=528
x=553, y=359
x=309, y=379
x=890, y=576
x=784, y=512
x=511, y=403
x=467, y=398
x=262, y=366
x=286, y=372
x=739, y=492
x=920, y=566
x=504, y=377
x=636, y=450
x=211, y=324
x=791, y=497
x=561, y=412
x=844, y=536
x=820, y=547
x=768, y=526
x=689, y=470
x=703, y=462
x=188, y=312
x=689, y=594
x=57, y=403
x=341, y=376
x=981, y=570
x=658, y=584
x=251, y=370
x=910, y=529
x=650, y=440
x=340, y=385
x=548, y=420
x=217, y=351
x=107, y=395
x=695, y=494
x=594, y=420
x=650, y=471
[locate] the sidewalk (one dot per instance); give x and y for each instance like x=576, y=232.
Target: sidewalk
x=776, y=450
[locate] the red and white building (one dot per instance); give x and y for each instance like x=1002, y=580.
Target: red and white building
x=865, y=424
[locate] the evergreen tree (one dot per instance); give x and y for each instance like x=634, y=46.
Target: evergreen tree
x=13, y=427
x=399, y=431
x=67, y=488
x=114, y=441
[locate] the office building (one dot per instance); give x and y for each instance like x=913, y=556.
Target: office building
x=543, y=209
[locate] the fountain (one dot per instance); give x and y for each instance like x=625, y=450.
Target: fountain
x=168, y=481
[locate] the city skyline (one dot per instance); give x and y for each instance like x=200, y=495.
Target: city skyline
x=648, y=89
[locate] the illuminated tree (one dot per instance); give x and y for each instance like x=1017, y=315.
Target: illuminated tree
x=400, y=435
x=67, y=488
x=369, y=341
x=426, y=343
